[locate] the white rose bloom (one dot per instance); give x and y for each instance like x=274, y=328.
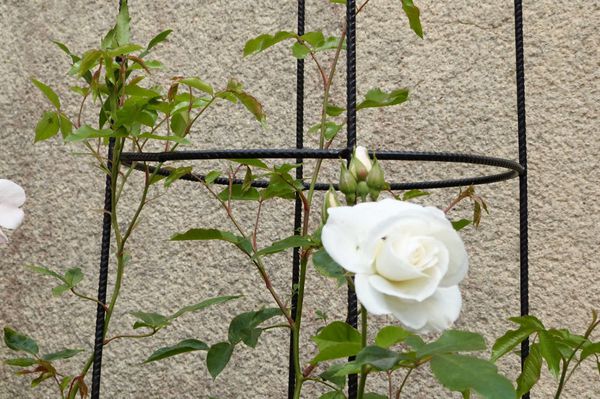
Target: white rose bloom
x=408, y=260
x=12, y=197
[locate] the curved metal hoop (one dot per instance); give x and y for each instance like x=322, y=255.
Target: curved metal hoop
x=513, y=169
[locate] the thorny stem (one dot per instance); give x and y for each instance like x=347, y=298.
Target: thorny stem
x=256, y=259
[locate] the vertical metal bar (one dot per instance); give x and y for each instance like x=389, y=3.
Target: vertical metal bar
x=103, y=277
x=522, y=133
x=298, y=202
x=352, y=315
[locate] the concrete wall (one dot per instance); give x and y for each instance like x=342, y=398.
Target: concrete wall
x=462, y=82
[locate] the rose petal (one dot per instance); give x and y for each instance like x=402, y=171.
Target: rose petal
x=11, y=193
x=417, y=289
x=373, y=300
x=362, y=155
x=458, y=259
x=348, y=229
x=436, y=313
x=10, y=217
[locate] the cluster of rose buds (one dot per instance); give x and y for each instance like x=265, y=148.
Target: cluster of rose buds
x=364, y=177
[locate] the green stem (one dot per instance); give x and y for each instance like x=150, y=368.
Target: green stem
x=399, y=391
x=563, y=375
x=297, y=324
x=363, y=343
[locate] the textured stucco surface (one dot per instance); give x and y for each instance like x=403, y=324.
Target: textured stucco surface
x=462, y=81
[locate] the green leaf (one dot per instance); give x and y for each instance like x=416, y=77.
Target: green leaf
x=217, y=358
x=238, y=193
x=150, y=320
x=21, y=362
x=47, y=127
x=531, y=371
x=187, y=345
x=371, y=395
x=331, y=129
x=63, y=354
x=122, y=30
x=213, y=234
x=300, y=51
x=89, y=60
x=408, y=195
x=528, y=322
x=378, y=98
x=328, y=267
x=257, y=163
x=122, y=50
x=64, y=48
x=335, y=341
x=48, y=92
x=252, y=105
x=66, y=127
x=177, y=174
x=196, y=83
x=331, y=375
x=461, y=224
x=263, y=42
x=379, y=358
x=179, y=123
x=244, y=327
x=86, y=132
x=139, y=91
x=453, y=341
x=203, y=305
x=509, y=341
x=73, y=276
x=212, y=176
x=20, y=342
x=161, y=37
x=550, y=352
x=286, y=243
x=333, y=395
x=333, y=110
x=45, y=271
x=412, y=12
x=589, y=350
x=460, y=373
x=338, y=1
x=391, y=335
x=315, y=39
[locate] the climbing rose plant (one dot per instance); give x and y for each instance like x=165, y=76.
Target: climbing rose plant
x=402, y=258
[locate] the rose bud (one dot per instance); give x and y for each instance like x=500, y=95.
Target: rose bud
x=330, y=201
x=362, y=190
x=347, y=181
x=360, y=164
x=375, y=180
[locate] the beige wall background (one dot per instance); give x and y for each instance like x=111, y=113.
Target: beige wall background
x=463, y=99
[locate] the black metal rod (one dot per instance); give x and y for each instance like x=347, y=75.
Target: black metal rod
x=298, y=201
x=493, y=178
x=103, y=276
x=352, y=311
x=523, y=217
x=344, y=153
